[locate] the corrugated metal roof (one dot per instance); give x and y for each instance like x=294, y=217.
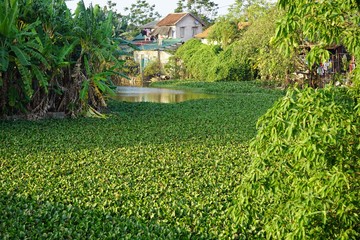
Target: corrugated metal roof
x=165, y=30
x=150, y=25
x=166, y=44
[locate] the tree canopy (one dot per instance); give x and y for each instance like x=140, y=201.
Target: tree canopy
x=205, y=9
x=139, y=14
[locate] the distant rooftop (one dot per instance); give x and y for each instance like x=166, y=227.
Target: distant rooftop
x=203, y=34
x=169, y=44
x=150, y=25
x=173, y=18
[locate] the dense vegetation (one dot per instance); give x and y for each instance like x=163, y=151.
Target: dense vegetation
x=303, y=181
x=170, y=171
x=53, y=61
x=239, y=51
x=149, y=170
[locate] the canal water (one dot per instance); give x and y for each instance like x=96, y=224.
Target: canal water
x=158, y=95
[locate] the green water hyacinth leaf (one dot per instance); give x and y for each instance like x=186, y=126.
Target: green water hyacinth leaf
x=147, y=171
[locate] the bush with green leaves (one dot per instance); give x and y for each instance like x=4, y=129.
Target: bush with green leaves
x=234, y=65
x=211, y=63
x=303, y=181
x=153, y=69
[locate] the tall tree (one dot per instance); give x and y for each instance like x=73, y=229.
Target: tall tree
x=224, y=32
x=248, y=10
x=205, y=9
x=119, y=21
x=140, y=13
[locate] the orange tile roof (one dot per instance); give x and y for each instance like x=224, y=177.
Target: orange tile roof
x=171, y=19
x=243, y=25
x=204, y=34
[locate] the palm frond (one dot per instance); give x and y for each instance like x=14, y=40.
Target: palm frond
x=26, y=78
x=21, y=56
x=40, y=76
x=87, y=66
x=37, y=56
x=66, y=50
x=84, y=90
x=35, y=45
x=4, y=59
x=10, y=16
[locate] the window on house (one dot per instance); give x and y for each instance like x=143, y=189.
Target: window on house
x=182, y=32
x=194, y=31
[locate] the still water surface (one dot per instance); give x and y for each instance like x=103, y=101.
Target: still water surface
x=158, y=95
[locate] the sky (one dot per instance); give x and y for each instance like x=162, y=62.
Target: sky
x=162, y=6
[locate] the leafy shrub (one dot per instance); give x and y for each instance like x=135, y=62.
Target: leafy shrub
x=174, y=68
x=131, y=68
x=211, y=63
x=303, y=182
x=233, y=66
x=152, y=69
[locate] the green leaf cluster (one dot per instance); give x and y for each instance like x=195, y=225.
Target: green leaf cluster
x=210, y=63
x=303, y=181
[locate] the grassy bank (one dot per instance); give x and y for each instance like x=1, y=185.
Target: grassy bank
x=148, y=171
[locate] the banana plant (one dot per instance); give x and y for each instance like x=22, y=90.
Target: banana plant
x=21, y=61
x=51, y=60
x=98, y=60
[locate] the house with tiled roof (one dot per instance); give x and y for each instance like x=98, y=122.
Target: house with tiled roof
x=158, y=39
x=182, y=26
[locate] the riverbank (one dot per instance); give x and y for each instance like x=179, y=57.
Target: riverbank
x=147, y=171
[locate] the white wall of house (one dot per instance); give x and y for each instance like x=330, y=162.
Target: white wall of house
x=152, y=56
x=187, y=28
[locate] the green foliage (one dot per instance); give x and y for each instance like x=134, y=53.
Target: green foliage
x=131, y=68
x=245, y=55
x=207, y=63
x=152, y=69
x=224, y=32
x=249, y=10
x=20, y=50
x=272, y=66
x=234, y=65
x=303, y=181
x=140, y=13
x=325, y=24
x=152, y=174
x=173, y=68
x=204, y=9
x=47, y=54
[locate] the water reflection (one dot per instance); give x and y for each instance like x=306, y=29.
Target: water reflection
x=159, y=95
